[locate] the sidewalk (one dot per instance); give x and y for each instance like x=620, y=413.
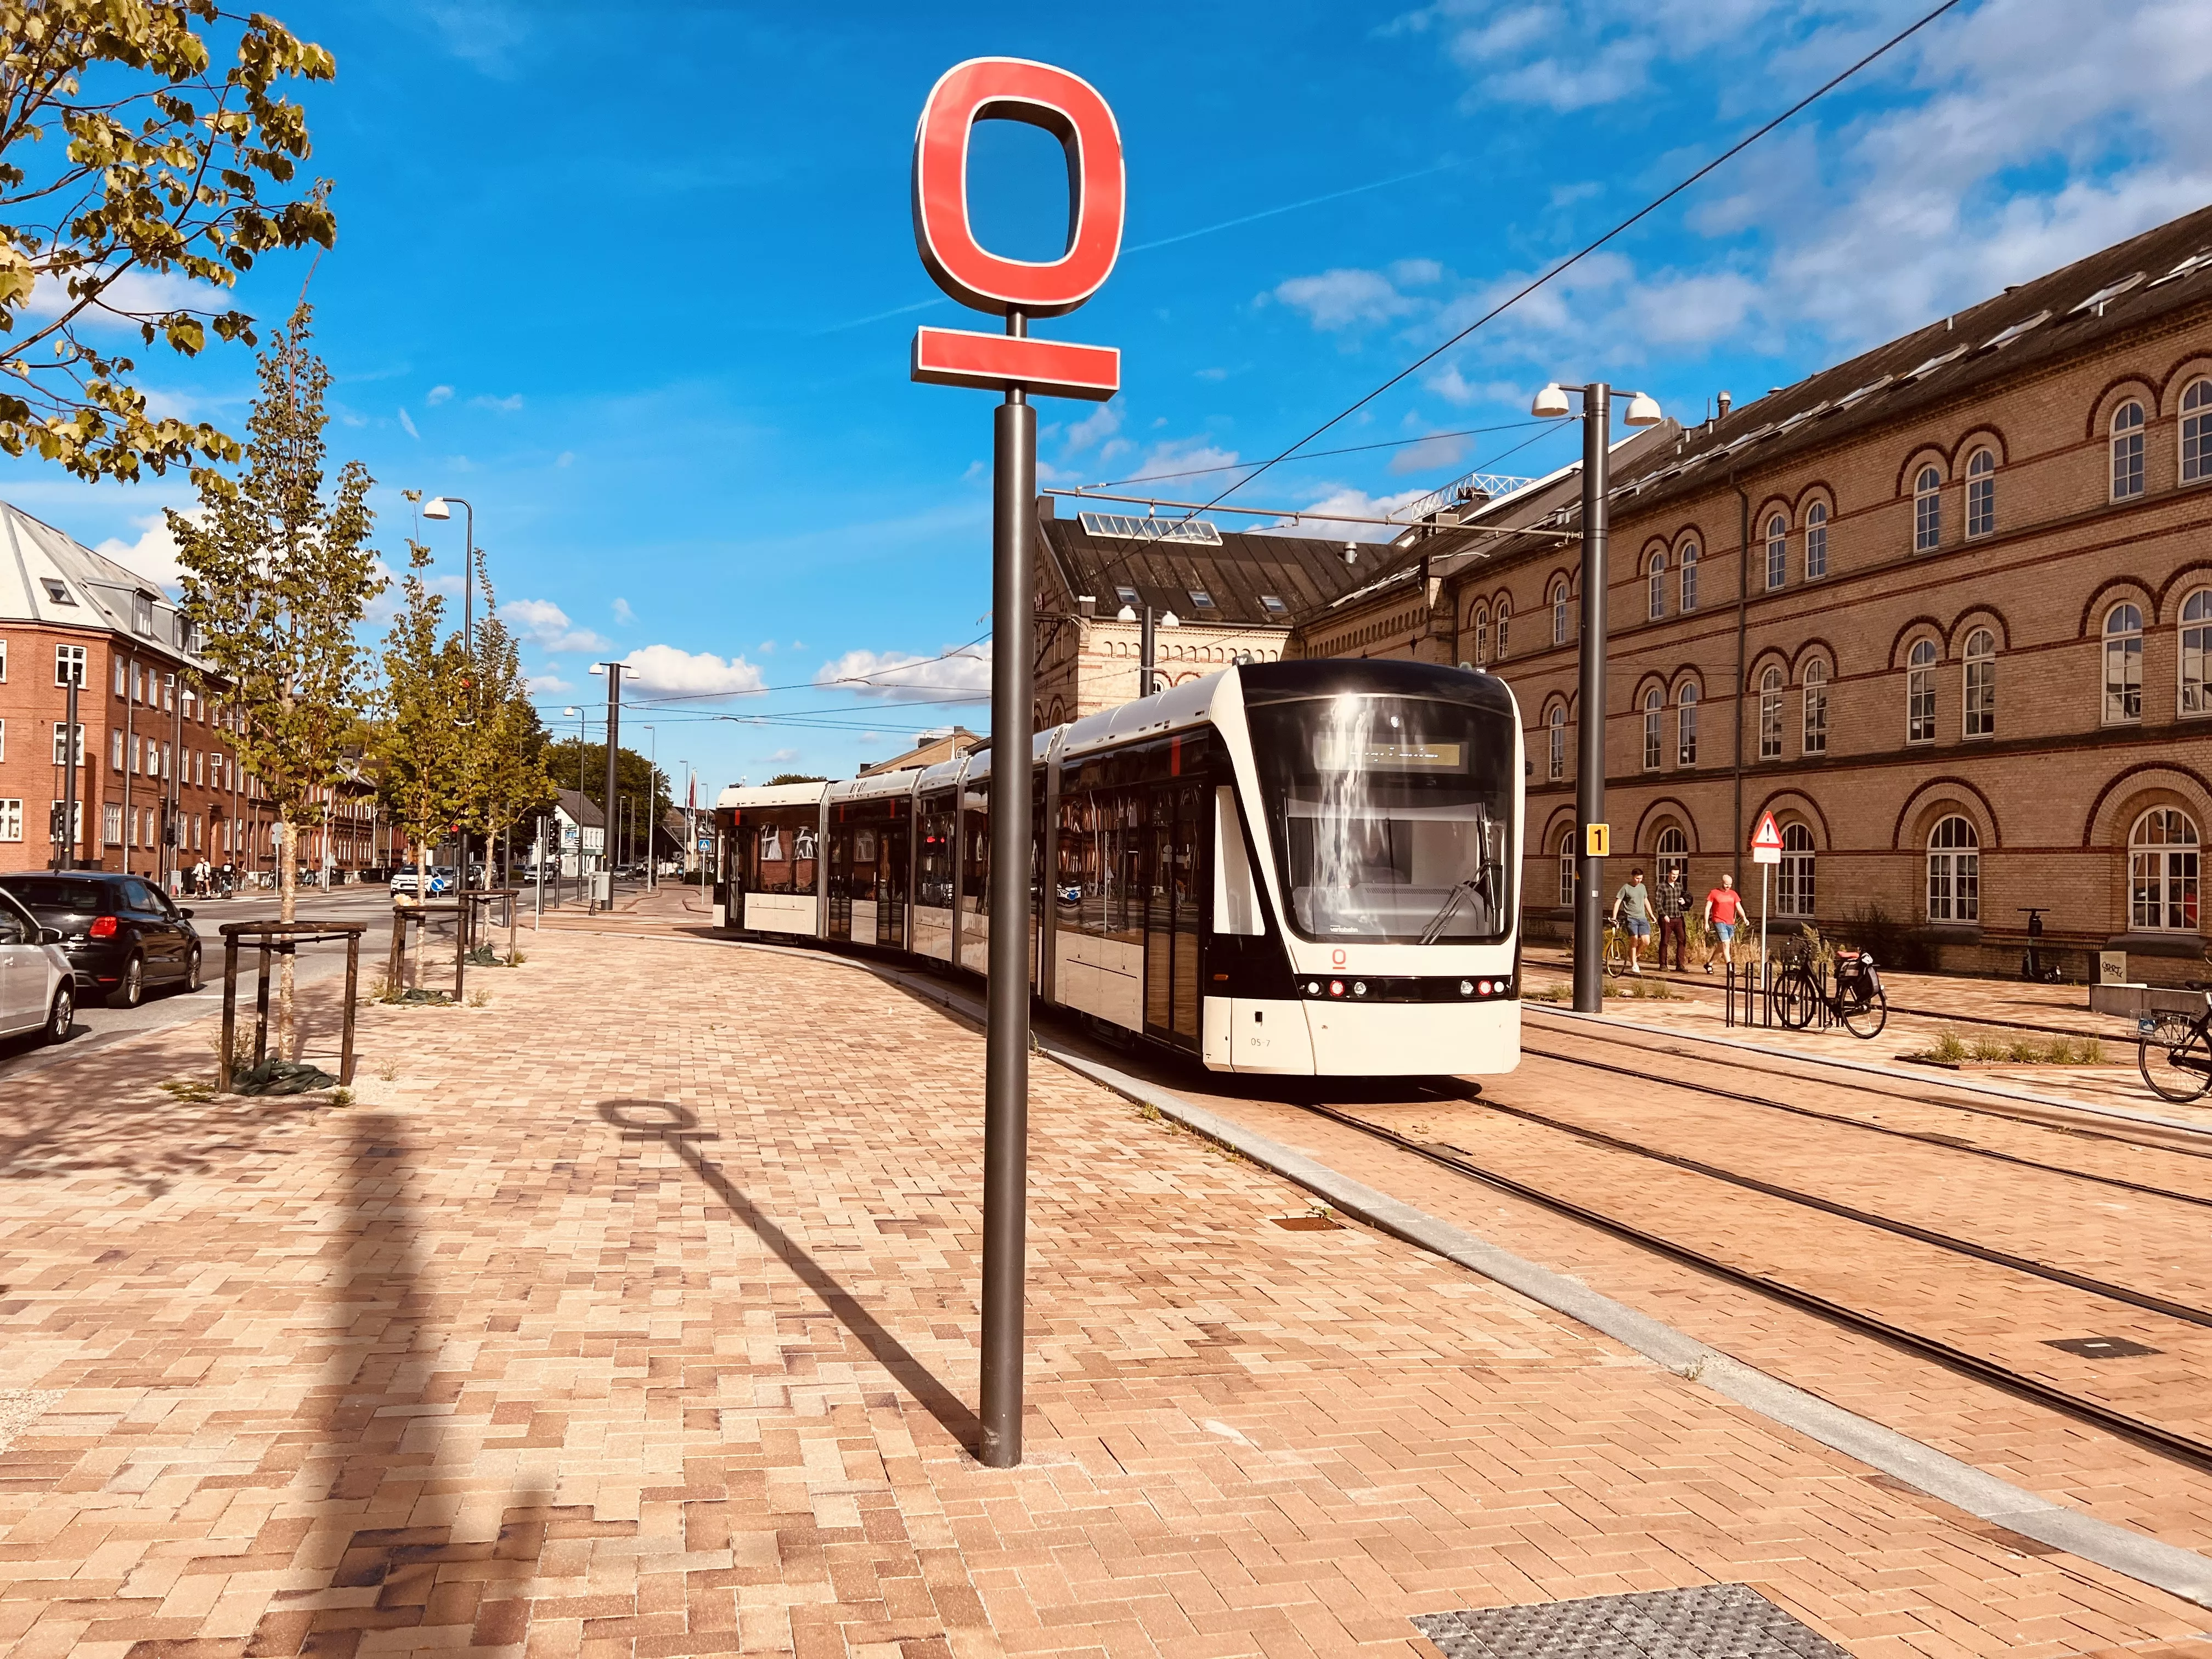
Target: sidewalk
x=635, y=1313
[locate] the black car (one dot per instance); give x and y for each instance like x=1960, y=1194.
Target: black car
x=121, y=933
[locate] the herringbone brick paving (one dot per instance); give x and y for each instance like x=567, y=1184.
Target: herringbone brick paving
x=634, y=1314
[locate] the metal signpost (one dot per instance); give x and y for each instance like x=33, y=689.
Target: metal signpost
x=1069, y=108
x=1766, y=852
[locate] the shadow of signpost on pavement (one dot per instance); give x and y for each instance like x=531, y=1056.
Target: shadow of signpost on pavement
x=678, y=1129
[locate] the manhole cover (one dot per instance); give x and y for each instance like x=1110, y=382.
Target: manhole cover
x=1716, y=1621
x=1306, y=1223
x=2100, y=1347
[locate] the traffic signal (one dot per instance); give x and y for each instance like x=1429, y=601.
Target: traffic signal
x=58, y=822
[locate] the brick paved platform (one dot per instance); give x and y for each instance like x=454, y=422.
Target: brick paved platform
x=633, y=1313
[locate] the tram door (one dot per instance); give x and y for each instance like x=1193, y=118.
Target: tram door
x=840, y=885
x=1174, y=817
x=893, y=851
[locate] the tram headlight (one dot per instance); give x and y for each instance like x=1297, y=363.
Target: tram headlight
x=1359, y=988
x=1313, y=988
x=1466, y=987
x=1336, y=987
x=1485, y=988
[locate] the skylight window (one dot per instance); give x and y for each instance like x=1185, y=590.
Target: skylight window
x=1866, y=391
x=1126, y=595
x=57, y=590
x=2018, y=329
x=1274, y=604
x=1201, y=597
x=2105, y=295
x=1936, y=362
x=2194, y=262
x=1113, y=524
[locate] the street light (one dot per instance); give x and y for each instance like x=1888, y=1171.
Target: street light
x=583, y=735
x=1552, y=403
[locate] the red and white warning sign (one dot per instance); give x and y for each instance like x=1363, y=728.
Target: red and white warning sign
x=1766, y=841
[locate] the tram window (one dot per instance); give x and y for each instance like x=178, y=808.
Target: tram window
x=1235, y=893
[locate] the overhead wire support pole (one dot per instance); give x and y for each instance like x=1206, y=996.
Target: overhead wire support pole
x=1590, y=734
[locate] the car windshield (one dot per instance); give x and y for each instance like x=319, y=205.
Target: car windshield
x=60, y=893
x=1391, y=816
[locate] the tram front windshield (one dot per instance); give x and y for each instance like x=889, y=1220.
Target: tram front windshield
x=1391, y=816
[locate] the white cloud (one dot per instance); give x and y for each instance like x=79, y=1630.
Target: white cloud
x=135, y=290
x=1100, y=424
x=785, y=754
x=407, y=423
x=1314, y=519
x=436, y=395
x=507, y=406
x=1430, y=455
x=622, y=612
x=154, y=555
x=665, y=668
x=547, y=680
x=566, y=458
x=1343, y=298
x=547, y=625
x=899, y=673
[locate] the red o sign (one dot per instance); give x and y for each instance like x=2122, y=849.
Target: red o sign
x=1064, y=105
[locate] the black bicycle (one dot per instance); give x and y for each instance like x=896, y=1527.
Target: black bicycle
x=2174, y=1053
x=1856, y=1000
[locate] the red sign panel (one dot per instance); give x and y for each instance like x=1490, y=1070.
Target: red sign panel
x=1070, y=108
x=1768, y=835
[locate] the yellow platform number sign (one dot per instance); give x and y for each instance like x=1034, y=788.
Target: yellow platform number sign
x=1597, y=840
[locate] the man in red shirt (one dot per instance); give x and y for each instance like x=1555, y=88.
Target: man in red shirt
x=1723, y=908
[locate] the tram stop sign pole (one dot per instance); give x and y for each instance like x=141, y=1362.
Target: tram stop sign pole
x=1766, y=852
x=1020, y=368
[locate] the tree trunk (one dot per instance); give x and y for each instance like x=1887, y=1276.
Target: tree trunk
x=422, y=853
x=287, y=909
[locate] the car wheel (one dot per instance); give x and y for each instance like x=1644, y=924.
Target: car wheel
x=192, y=972
x=130, y=990
x=62, y=1016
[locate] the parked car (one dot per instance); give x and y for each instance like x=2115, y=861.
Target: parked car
x=406, y=879
x=38, y=989
x=120, y=935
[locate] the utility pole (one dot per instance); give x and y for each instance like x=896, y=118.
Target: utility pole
x=614, y=672
x=1148, y=648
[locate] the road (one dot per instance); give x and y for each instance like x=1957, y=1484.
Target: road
x=98, y=1026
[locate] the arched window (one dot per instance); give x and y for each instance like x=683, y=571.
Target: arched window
x=2127, y=451
x=1655, y=700
x=1559, y=613
x=1556, y=767
x=1567, y=870
x=1954, y=872
x=1674, y=857
x=1816, y=707
x=1793, y=878
x=2196, y=652
x=2123, y=664
x=1778, y=551
x=1920, y=693
x=1816, y=541
x=1479, y=620
x=1770, y=714
x=1689, y=575
x=2162, y=871
x=1981, y=699
x=1504, y=622
x=1685, y=726
x=1655, y=585
x=2196, y=432
x=1928, y=511
x=1981, y=493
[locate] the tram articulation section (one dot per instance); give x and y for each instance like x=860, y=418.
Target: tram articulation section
x=1307, y=868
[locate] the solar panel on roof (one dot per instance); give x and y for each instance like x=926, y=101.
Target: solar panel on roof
x=1114, y=525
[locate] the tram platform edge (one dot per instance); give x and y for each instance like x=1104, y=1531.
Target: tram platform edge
x=1936, y=1473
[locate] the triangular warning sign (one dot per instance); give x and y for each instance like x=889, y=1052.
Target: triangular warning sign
x=1768, y=835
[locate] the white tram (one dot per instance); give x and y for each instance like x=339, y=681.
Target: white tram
x=1301, y=867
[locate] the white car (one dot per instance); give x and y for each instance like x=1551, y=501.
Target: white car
x=38, y=989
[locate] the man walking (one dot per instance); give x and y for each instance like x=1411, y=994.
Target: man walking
x=1631, y=908
x=1723, y=908
x=1673, y=908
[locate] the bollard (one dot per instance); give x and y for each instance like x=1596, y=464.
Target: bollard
x=229, y=1011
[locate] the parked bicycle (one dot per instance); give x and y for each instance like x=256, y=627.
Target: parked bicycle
x=2174, y=1053
x=1855, y=998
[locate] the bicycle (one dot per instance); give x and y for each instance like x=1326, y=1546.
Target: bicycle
x=1858, y=1001
x=2174, y=1053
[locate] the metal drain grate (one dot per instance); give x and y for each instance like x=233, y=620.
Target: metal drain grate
x=1715, y=1621
x=2100, y=1347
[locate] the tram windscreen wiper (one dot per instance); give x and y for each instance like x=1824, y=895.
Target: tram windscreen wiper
x=1460, y=890
x=1478, y=885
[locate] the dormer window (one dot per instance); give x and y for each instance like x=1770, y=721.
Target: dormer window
x=57, y=590
x=142, y=612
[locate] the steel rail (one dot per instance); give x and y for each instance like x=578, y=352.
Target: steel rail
x=2169, y=1443
x=1948, y=1143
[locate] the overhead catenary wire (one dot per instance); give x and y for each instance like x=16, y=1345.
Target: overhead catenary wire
x=1584, y=252
x=1322, y=454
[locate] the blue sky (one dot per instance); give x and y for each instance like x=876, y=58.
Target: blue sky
x=640, y=282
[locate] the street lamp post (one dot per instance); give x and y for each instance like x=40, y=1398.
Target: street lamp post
x=613, y=671
x=441, y=507
x=1589, y=736
x=583, y=735
x=652, y=808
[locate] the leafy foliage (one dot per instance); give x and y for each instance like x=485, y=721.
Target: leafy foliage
x=634, y=776
x=416, y=742
x=136, y=181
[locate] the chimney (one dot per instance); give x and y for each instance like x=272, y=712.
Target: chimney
x=1047, y=507
x=1722, y=402
x=1087, y=604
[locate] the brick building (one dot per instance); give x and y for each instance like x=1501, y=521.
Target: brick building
x=1945, y=610
x=158, y=785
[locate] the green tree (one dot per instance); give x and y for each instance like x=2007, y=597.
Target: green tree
x=136, y=181
x=278, y=574
x=506, y=744
x=416, y=738
x=636, y=778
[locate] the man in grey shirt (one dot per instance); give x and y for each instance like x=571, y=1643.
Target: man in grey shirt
x=1632, y=909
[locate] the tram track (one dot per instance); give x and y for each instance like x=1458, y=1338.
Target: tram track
x=2184, y=1448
